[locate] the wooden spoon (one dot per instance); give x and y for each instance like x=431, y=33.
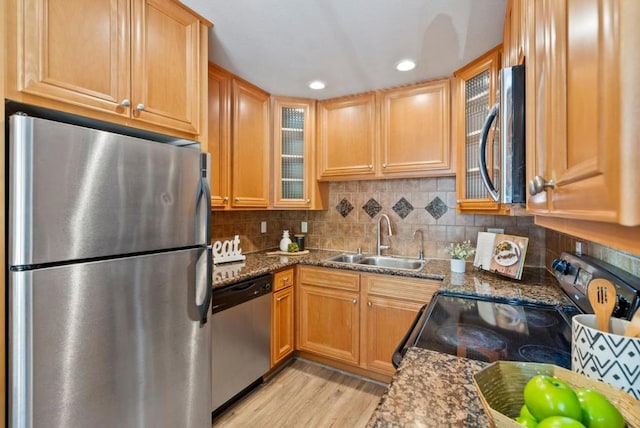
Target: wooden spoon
x=633, y=329
x=602, y=296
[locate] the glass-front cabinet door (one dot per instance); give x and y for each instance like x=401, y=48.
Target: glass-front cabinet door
x=293, y=169
x=476, y=93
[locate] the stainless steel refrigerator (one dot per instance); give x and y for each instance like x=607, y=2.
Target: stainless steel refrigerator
x=109, y=279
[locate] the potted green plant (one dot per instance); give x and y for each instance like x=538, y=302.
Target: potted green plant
x=459, y=252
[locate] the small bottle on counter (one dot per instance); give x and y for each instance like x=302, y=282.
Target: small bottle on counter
x=285, y=241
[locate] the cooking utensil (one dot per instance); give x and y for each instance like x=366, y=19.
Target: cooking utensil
x=633, y=329
x=602, y=296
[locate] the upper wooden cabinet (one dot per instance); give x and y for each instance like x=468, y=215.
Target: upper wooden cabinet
x=347, y=137
x=294, y=179
x=139, y=63
x=476, y=91
x=415, y=129
x=395, y=133
x=219, y=135
x=514, y=36
x=583, y=104
x=250, y=146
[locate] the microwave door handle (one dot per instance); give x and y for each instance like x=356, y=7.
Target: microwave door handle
x=484, y=172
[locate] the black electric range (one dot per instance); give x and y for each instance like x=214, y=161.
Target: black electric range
x=491, y=328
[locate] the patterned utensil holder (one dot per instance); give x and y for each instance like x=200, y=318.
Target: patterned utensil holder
x=609, y=357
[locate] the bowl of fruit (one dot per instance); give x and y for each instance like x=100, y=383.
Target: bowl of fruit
x=516, y=394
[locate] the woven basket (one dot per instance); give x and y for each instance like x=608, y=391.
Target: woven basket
x=502, y=383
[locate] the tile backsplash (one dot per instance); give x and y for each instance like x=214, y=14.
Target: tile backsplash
x=428, y=204
x=557, y=242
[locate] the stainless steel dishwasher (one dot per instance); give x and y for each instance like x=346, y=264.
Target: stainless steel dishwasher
x=240, y=340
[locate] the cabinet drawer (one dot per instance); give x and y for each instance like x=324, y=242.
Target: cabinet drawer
x=331, y=278
x=283, y=279
x=417, y=290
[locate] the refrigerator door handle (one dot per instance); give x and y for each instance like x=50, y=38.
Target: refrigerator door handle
x=484, y=173
x=203, y=308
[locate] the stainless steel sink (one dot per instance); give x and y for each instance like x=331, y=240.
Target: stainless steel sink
x=379, y=261
x=346, y=258
x=392, y=262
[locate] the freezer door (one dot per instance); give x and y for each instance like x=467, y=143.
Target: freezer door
x=79, y=193
x=111, y=344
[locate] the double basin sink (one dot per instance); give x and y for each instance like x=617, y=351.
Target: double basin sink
x=379, y=261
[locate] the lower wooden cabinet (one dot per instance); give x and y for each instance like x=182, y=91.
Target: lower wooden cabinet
x=282, y=316
x=328, y=313
x=388, y=307
x=355, y=318
x=282, y=325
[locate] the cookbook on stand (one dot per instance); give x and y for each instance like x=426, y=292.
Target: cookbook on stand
x=500, y=253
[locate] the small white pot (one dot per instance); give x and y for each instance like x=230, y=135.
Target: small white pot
x=458, y=265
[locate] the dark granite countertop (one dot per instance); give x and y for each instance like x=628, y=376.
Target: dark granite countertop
x=537, y=285
x=431, y=389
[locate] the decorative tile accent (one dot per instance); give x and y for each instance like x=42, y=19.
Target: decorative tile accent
x=344, y=207
x=403, y=208
x=372, y=207
x=436, y=208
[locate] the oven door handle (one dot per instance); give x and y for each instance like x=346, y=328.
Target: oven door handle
x=402, y=347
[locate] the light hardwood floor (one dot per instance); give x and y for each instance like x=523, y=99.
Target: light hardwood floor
x=306, y=394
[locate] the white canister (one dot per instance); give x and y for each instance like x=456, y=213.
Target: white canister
x=609, y=357
x=458, y=265
x=285, y=241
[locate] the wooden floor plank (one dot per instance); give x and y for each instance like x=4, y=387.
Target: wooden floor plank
x=306, y=394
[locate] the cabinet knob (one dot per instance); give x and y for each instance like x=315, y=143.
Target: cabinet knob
x=370, y=304
x=384, y=165
x=308, y=201
x=538, y=184
x=354, y=301
x=125, y=103
x=278, y=299
x=237, y=199
x=370, y=166
x=285, y=279
x=225, y=199
x=140, y=107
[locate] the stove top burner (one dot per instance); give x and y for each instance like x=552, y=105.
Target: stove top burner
x=545, y=354
x=540, y=319
x=470, y=337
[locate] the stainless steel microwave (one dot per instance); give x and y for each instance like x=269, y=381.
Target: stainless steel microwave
x=508, y=184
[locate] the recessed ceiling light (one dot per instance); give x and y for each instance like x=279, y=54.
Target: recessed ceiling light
x=317, y=84
x=406, y=65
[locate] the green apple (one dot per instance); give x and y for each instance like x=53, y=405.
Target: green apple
x=597, y=411
x=559, y=422
x=547, y=396
x=525, y=413
x=527, y=422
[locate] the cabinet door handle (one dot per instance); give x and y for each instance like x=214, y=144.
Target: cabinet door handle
x=285, y=280
x=278, y=299
x=538, y=185
x=370, y=304
x=354, y=301
x=140, y=107
x=125, y=103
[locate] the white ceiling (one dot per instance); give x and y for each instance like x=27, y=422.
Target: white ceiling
x=352, y=45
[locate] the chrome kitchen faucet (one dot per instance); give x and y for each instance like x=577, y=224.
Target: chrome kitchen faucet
x=379, y=247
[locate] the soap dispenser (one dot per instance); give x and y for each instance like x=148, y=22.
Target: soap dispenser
x=285, y=241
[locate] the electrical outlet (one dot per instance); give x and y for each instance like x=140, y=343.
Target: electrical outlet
x=263, y=227
x=495, y=230
x=579, y=248
x=303, y=227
